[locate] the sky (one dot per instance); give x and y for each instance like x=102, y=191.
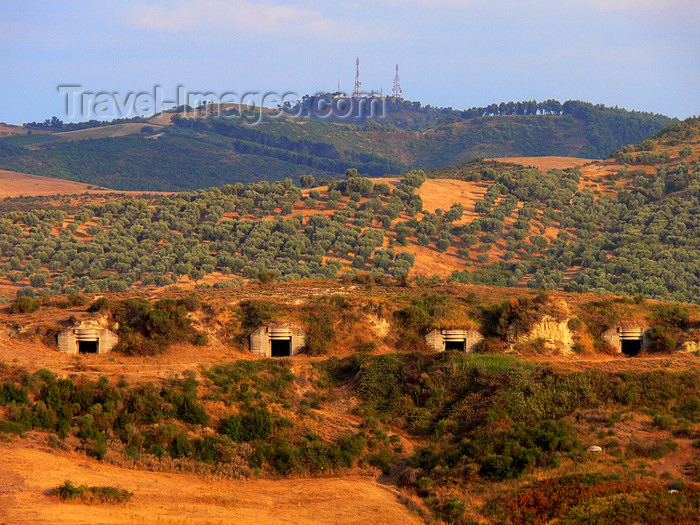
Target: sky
x=636, y=54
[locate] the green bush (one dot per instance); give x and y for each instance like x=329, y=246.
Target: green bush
x=147, y=329
x=180, y=446
x=11, y=393
x=319, y=331
x=200, y=339
x=689, y=409
x=451, y=511
x=311, y=455
x=653, y=448
x=384, y=459
x=87, y=494
x=24, y=305
x=662, y=339
x=497, y=467
x=672, y=316
x=212, y=449
x=255, y=314
x=189, y=411
x=12, y=427
x=257, y=424
x=99, y=305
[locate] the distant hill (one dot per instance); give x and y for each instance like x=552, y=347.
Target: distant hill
x=186, y=154
x=625, y=225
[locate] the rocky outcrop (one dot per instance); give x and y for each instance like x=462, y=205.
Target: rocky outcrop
x=553, y=332
x=690, y=347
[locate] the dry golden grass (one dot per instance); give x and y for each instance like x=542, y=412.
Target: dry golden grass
x=29, y=471
x=430, y=261
x=546, y=163
x=101, y=132
x=14, y=184
x=443, y=193
x=10, y=129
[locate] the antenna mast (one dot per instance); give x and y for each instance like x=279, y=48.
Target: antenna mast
x=358, y=86
x=397, y=85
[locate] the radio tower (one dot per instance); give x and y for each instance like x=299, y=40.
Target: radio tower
x=358, y=86
x=397, y=85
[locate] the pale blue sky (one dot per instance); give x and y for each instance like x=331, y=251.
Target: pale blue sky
x=638, y=54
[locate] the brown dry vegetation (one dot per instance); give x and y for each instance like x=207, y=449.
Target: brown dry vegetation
x=7, y=130
x=183, y=498
x=443, y=193
x=100, y=132
x=15, y=184
x=546, y=163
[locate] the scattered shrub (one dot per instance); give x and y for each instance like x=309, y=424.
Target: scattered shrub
x=24, y=305
x=257, y=424
x=87, y=494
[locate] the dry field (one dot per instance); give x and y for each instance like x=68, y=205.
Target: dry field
x=443, y=193
x=15, y=184
x=101, y=132
x=30, y=470
x=546, y=163
x=7, y=130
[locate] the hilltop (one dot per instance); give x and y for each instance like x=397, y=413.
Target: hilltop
x=174, y=153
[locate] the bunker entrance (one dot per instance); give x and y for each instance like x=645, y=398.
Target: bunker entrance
x=460, y=346
x=280, y=347
x=88, y=347
x=631, y=347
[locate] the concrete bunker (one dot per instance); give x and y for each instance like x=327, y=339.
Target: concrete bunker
x=627, y=340
x=442, y=340
x=87, y=338
x=277, y=340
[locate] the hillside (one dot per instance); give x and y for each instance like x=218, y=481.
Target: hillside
x=367, y=424
x=605, y=227
x=176, y=153
x=500, y=223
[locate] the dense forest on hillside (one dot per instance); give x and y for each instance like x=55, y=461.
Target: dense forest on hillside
x=195, y=153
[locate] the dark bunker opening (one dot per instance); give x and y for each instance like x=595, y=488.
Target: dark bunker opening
x=460, y=346
x=631, y=347
x=88, y=347
x=280, y=347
